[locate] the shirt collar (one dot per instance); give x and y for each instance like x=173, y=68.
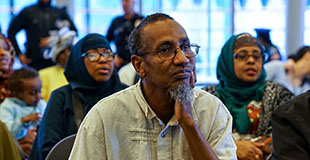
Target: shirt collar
x=148, y=112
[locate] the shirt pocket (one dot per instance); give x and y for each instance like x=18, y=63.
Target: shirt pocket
x=144, y=143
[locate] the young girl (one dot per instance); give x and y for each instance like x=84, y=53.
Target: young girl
x=22, y=111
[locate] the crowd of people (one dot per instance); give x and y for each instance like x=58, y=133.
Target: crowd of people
x=141, y=101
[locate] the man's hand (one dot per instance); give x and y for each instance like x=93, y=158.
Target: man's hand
x=118, y=61
x=32, y=117
x=198, y=145
x=26, y=142
x=193, y=78
x=247, y=150
x=44, y=42
x=183, y=113
x=23, y=59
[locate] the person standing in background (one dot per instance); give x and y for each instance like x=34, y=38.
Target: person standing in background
x=120, y=30
x=38, y=21
x=270, y=49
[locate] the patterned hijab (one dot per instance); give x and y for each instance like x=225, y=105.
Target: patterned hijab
x=89, y=90
x=235, y=93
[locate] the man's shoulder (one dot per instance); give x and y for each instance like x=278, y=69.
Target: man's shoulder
x=206, y=99
x=118, y=104
x=118, y=18
x=29, y=8
x=208, y=105
x=121, y=96
x=297, y=103
x=296, y=110
x=63, y=91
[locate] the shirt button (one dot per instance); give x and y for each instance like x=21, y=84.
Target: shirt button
x=163, y=135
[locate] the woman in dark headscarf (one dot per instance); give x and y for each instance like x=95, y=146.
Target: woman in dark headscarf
x=91, y=76
x=249, y=98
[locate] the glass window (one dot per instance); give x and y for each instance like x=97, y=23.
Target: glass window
x=210, y=30
x=307, y=25
x=255, y=15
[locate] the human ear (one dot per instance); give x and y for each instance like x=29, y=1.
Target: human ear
x=138, y=64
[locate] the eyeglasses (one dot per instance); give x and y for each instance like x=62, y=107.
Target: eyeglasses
x=243, y=56
x=95, y=56
x=169, y=52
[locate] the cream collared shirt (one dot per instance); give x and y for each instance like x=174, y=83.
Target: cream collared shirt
x=123, y=126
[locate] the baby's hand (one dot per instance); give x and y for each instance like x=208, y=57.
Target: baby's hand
x=32, y=117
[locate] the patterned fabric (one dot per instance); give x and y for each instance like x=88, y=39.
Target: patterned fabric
x=274, y=95
x=254, y=110
x=3, y=90
x=5, y=75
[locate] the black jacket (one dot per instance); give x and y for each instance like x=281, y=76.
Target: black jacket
x=291, y=129
x=37, y=20
x=119, y=32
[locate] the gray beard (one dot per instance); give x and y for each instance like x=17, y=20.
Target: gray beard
x=182, y=93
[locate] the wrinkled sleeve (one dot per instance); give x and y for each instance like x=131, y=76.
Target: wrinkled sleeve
x=90, y=142
x=220, y=137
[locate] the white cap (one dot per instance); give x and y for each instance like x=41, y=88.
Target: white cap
x=60, y=42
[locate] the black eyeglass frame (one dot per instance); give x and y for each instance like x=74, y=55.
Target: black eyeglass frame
x=175, y=51
x=112, y=55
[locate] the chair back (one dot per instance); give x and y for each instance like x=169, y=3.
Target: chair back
x=62, y=150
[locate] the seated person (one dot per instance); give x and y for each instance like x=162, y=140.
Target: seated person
x=7, y=55
x=163, y=116
x=290, y=129
x=247, y=95
x=91, y=76
x=8, y=148
x=294, y=73
x=22, y=111
x=53, y=77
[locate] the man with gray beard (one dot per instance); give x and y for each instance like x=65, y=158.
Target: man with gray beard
x=183, y=93
x=163, y=116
